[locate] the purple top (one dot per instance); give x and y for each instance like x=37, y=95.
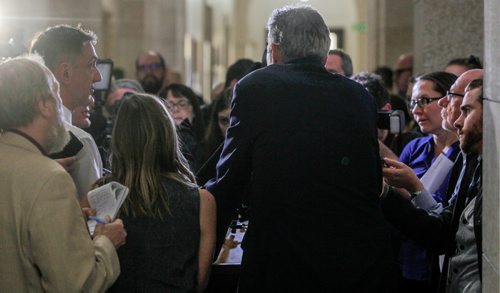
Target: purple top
x=419, y=155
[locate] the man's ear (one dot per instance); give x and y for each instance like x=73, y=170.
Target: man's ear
x=46, y=108
x=387, y=107
x=63, y=72
x=276, y=54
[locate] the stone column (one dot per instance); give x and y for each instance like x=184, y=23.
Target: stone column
x=444, y=30
x=491, y=143
x=390, y=31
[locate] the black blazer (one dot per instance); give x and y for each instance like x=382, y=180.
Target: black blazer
x=306, y=141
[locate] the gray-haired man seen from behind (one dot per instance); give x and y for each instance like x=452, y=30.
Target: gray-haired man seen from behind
x=45, y=244
x=305, y=142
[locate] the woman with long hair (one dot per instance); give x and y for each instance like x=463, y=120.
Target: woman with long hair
x=170, y=222
x=215, y=134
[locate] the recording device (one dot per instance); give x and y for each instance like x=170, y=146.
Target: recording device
x=105, y=67
x=70, y=149
x=394, y=121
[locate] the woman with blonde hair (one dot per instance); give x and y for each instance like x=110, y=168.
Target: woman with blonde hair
x=170, y=221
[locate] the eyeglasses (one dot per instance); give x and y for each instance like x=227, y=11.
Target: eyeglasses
x=182, y=104
x=150, y=67
x=422, y=102
x=449, y=95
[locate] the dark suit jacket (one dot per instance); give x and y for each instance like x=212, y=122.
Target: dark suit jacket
x=306, y=141
x=437, y=233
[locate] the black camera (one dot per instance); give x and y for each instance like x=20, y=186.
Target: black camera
x=394, y=121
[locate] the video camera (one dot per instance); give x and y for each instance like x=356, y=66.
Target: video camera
x=394, y=121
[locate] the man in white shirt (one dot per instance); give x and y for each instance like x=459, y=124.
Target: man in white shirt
x=69, y=52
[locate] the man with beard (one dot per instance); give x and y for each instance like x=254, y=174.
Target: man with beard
x=456, y=230
x=45, y=242
x=69, y=52
x=151, y=71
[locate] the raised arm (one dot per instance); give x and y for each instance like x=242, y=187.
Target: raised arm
x=207, y=238
x=401, y=176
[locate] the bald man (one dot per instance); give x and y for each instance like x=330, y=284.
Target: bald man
x=450, y=103
x=403, y=70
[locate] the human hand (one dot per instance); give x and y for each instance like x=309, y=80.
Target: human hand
x=386, y=152
x=401, y=176
x=87, y=212
x=67, y=163
x=114, y=231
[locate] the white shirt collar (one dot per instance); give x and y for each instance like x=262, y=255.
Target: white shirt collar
x=67, y=115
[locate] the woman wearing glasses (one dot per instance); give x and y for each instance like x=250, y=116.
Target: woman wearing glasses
x=420, y=154
x=184, y=107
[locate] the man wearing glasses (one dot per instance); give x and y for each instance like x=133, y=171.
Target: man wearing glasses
x=151, y=71
x=423, y=155
x=403, y=70
x=456, y=229
x=451, y=102
x=450, y=111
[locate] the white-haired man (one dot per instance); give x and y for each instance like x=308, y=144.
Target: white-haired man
x=45, y=244
x=302, y=138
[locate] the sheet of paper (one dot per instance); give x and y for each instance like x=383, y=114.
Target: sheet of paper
x=106, y=200
x=437, y=173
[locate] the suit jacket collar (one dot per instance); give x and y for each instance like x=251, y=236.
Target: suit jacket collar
x=313, y=60
x=21, y=140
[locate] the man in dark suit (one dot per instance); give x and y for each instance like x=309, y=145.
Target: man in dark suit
x=305, y=141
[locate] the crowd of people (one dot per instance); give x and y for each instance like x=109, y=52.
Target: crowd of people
x=339, y=199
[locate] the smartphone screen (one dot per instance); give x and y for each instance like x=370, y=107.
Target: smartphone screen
x=105, y=67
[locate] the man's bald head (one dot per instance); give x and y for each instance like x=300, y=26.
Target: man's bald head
x=451, y=103
x=403, y=70
x=464, y=79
